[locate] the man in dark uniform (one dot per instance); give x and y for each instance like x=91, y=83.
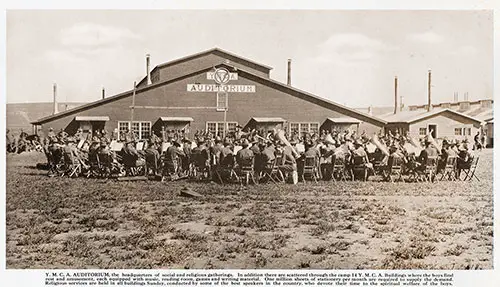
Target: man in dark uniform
x=429, y=151
x=152, y=157
x=288, y=164
x=171, y=157
x=245, y=155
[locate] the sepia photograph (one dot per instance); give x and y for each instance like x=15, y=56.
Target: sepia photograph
x=249, y=139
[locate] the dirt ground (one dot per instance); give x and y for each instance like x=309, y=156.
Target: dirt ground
x=95, y=223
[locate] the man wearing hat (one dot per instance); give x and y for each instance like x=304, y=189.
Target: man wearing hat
x=244, y=156
x=172, y=157
x=71, y=152
x=464, y=159
x=186, y=148
x=288, y=164
x=79, y=135
x=152, y=156
x=429, y=151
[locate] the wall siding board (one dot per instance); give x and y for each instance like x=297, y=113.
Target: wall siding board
x=266, y=102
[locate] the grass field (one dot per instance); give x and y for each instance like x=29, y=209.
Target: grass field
x=92, y=223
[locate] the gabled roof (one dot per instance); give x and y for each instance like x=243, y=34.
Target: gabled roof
x=210, y=51
x=414, y=116
x=269, y=120
x=263, y=80
x=92, y=118
x=176, y=119
x=345, y=120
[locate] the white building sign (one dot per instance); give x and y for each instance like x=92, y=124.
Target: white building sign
x=232, y=76
x=221, y=88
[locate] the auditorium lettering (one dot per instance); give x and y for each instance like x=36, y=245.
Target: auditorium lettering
x=221, y=88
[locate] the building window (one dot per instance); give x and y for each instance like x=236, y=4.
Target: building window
x=145, y=130
x=314, y=128
x=231, y=127
x=294, y=128
x=304, y=128
x=211, y=127
x=140, y=128
x=217, y=128
x=123, y=127
x=422, y=131
x=458, y=131
x=221, y=101
x=469, y=132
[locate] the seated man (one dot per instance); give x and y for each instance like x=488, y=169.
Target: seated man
x=359, y=156
x=244, y=156
x=464, y=159
x=132, y=157
x=288, y=164
x=152, y=156
x=171, y=157
x=429, y=151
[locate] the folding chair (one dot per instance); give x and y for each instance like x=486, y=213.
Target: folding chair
x=396, y=169
x=339, y=169
x=310, y=168
x=152, y=164
x=226, y=169
x=430, y=171
x=470, y=172
x=359, y=166
x=272, y=172
x=246, y=170
x=134, y=166
x=450, y=169
x=72, y=166
x=200, y=169
x=105, y=163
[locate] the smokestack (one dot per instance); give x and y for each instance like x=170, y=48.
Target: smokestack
x=370, y=110
x=395, y=95
x=103, y=93
x=289, y=74
x=429, y=102
x=55, y=110
x=148, y=73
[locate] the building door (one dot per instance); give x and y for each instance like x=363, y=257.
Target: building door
x=433, y=131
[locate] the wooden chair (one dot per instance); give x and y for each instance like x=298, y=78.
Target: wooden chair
x=339, y=169
x=226, y=169
x=470, y=172
x=272, y=172
x=450, y=169
x=430, y=170
x=310, y=168
x=246, y=170
x=359, y=166
x=396, y=169
x=134, y=166
x=200, y=166
x=72, y=165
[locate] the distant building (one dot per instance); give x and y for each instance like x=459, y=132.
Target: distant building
x=440, y=123
x=481, y=110
x=19, y=116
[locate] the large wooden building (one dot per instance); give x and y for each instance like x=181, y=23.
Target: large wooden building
x=202, y=92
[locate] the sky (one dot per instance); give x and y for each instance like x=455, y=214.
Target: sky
x=350, y=57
